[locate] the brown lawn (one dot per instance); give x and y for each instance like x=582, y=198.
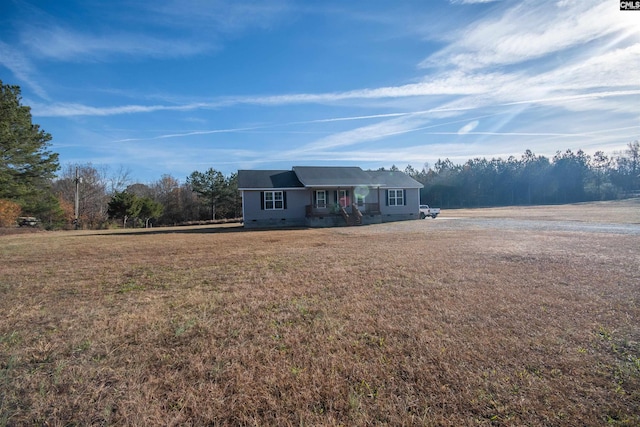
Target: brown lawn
x=412, y=323
x=621, y=212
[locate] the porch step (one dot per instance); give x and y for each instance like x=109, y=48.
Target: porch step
x=356, y=214
x=355, y=218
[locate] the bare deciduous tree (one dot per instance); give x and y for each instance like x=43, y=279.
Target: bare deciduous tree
x=93, y=198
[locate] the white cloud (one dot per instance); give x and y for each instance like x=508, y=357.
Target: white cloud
x=361, y=134
x=456, y=83
x=468, y=127
x=67, y=45
x=612, y=69
x=472, y=1
x=168, y=29
x=73, y=109
x=192, y=133
x=584, y=55
x=529, y=30
x=21, y=68
x=230, y=17
x=514, y=39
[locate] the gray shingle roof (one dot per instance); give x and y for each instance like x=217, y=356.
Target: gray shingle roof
x=332, y=176
x=254, y=179
x=323, y=176
x=394, y=179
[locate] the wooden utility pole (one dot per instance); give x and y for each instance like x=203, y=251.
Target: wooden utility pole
x=77, y=205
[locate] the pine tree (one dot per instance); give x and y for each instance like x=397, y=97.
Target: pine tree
x=26, y=165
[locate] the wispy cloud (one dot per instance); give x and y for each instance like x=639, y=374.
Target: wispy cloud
x=226, y=16
x=21, y=68
x=462, y=132
x=62, y=44
x=192, y=133
x=608, y=69
x=415, y=123
x=73, y=110
x=472, y=1
x=450, y=85
x=529, y=30
x=169, y=29
x=554, y=57
x=521, y=33
x=468, y=127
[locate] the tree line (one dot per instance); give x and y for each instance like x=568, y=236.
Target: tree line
x=104, y=198
x=568, y=177
x=29, y=185
x=109, y=198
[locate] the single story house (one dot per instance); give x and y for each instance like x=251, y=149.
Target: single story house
x=316, y=196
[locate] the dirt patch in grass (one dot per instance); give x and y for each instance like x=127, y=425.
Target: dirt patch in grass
x=381, y=324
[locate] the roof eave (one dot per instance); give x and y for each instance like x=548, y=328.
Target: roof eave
x=270, y=188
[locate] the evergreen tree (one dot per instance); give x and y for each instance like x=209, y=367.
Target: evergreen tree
x=209, y=185
x=149, y=209
x=26, y=165
x=124, y=205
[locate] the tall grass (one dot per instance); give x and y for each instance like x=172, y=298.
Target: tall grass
x=396, y=324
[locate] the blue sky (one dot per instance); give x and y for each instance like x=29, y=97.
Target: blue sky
x=174, y=86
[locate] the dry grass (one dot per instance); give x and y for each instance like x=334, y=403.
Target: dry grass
x=397, y=324
x=620, y=212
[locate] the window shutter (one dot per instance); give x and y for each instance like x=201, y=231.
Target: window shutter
x=386, y=197
x=284, y=200
x=335, y=196
x=404, y=197
x=262, y=200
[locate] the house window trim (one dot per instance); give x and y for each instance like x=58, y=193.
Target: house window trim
x=273, y=203
x=321, y=204
x=398, y=198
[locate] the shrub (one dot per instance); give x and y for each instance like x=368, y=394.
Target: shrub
x=9, y=213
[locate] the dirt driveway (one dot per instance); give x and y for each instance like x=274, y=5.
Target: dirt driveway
x=616, y=217
x=501, y=224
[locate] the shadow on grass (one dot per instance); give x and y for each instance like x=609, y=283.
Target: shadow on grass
x=200, y=229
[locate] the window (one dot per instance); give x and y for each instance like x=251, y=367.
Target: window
x=360, y=199
x=273, y=200
x=321, y=199
x=395, y=197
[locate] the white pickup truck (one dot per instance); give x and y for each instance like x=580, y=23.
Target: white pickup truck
x=426, y=211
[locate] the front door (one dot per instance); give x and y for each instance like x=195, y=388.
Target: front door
x=343, y=198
